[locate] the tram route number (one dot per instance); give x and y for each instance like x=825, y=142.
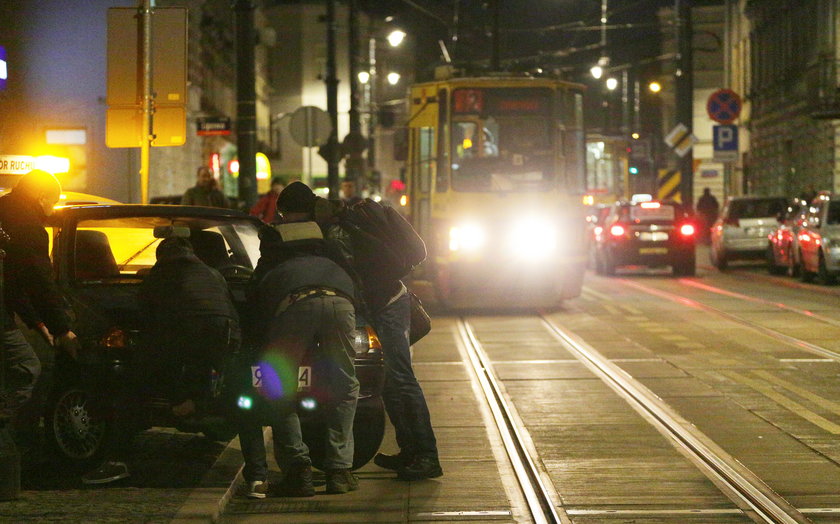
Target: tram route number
x=304, y=377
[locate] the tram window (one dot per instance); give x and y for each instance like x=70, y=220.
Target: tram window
x=464, y=140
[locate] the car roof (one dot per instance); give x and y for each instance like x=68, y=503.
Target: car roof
x=162, y=210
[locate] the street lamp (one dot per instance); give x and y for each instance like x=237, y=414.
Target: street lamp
x=655, y=87
x=612, y=83
x=393, y=78
x=396, y=37
x=364, y=77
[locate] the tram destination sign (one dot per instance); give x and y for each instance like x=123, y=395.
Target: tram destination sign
x=501, y=101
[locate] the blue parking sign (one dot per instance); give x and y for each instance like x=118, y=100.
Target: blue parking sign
x=725, y=139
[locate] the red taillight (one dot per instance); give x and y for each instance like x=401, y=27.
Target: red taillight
x=731, y=222
x=686, y=230
x=617, y=230
x=115, y=338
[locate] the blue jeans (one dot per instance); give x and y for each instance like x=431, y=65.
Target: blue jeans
x=22, y=369
x=402, y=395
x=321, y=328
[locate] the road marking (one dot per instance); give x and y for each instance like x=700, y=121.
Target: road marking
x=675, y=338
x=792, y=406
x=632, y=310
x=612, y=310
x=637, y=319
x=599, y=296
x=834, y=407
x=806, y=360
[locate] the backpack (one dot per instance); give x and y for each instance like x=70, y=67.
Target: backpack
x=384, y=243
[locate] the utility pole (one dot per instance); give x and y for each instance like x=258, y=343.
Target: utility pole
x=331, y=151
x=246, y=103
x=148, y=135
x=685, y=94
x=354, y=142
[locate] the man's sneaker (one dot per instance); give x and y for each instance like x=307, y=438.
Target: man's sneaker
x=297, y=482
x=392, y=462
x=256, y=489
x=421, y=468
x=108, y=472
x=341, y=481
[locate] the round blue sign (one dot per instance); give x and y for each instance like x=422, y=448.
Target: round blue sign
x=724, y=106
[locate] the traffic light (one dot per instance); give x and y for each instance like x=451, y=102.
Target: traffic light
x=633, y=169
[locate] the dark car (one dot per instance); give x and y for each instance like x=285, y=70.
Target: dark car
x=783, y=242
x=101, y=254
x=647, y=233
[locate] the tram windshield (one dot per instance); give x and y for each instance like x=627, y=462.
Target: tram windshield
x=502, y=140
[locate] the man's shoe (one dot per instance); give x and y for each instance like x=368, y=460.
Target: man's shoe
x=392, y=462
x=341, y=481
x=256, y=489
x=108, y=472
x=297, y=482
x=421, y=468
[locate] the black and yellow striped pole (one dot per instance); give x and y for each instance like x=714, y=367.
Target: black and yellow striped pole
x=669, y=185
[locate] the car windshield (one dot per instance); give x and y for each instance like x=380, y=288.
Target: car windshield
x=756, y=207
x=123, y=249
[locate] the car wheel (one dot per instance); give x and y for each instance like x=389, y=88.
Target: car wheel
x=75, y=433
x=793, y=268
x=719, y=259
x=686, y=268
x=368, y=431
x=822, y=271
x=609, y=265
x=804, y=274
x=772, y=267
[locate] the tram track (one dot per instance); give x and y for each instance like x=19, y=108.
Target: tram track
x=748, y=492
x=541, y=504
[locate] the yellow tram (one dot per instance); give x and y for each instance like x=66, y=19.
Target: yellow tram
x=496, y=174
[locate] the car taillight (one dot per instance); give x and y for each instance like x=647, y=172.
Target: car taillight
x=114, y=338
x=731, y=222
x=686, y=230
x=617, y=230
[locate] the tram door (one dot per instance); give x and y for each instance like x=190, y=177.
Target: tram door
x=423, y=159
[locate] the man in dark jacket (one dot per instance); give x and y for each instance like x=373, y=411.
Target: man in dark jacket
x=192, y=321
x=30, y=291
x=388, y=308
x=302, y=306
x=205, y=192
x=191, y=328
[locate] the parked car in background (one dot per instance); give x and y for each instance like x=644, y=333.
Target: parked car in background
x=741, y=230
x=783, y=242
x=646, y=233
x=819, y=240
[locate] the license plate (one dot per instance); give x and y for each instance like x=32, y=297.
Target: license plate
x=653, y=250
x=653, y=236
x=304, y=378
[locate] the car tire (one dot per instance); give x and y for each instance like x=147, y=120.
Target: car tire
x=772, y=267
x=686, y=268
x=368, y=431
x=804, y=274
x=822, y=271
x=793, y=268
x=609, y=266
x=719, y=259
x=75, y=435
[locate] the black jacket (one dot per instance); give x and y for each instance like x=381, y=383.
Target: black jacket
x=29, y=287
x=181, y=287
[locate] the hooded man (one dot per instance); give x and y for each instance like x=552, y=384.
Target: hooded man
x=30, y=291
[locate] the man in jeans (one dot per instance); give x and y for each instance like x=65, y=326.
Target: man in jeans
x=301, y=302
x=388, y=309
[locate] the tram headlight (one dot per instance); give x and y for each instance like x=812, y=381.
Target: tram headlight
x=466, y=237
x=533, y=239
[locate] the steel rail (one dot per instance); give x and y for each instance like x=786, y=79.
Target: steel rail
x=530, y=481
x=801, y=344
x=749, y=490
